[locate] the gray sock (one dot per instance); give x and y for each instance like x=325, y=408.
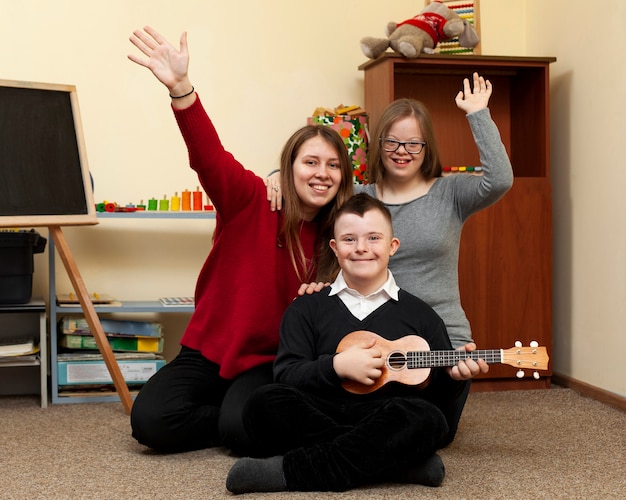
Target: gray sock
x=250, y=475
x=430, y=472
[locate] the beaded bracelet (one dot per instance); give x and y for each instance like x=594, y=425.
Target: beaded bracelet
x=184, y=95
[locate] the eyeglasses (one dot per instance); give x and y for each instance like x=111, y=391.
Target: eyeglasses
x=411, y=147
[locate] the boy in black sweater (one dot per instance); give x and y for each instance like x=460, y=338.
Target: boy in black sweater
x=332, y=422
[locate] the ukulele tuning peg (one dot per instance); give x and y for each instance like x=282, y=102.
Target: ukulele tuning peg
x=520, y=374
x=518, y=343
x=534, y=343
x=536, y=375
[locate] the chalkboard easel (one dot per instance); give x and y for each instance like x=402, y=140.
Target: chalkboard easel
x=91, y=316
x=45, y=181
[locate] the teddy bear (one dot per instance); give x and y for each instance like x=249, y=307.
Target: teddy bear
x=436, y=23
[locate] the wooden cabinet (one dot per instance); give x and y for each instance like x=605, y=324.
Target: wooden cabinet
x=505, y=264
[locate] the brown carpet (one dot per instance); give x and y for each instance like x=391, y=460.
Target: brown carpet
x=549, y=444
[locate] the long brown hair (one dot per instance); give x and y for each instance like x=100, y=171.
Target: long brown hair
x=397, y=110
x=324, y=259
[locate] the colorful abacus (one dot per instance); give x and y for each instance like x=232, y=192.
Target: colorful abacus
x=469, y=13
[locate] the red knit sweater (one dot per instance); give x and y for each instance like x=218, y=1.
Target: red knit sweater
x=247, y=280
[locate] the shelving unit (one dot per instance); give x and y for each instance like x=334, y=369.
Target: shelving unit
x=26, y=319
x=505, y=264
x=126, y=307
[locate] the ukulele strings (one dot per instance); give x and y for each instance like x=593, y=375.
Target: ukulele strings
x=431, y=359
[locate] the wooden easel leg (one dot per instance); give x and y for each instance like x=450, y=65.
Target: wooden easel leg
x=92, y=317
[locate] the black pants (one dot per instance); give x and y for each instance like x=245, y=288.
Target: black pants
x=331, y=445
x=186, y=406
x=453, y=408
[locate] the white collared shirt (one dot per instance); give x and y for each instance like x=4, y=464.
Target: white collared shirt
x=360, y=305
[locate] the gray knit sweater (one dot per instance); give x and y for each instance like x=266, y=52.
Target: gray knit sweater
x=429, y=227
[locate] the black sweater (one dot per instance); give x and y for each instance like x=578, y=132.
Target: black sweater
x=313, y=325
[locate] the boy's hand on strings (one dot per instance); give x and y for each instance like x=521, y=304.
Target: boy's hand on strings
x=468, y=368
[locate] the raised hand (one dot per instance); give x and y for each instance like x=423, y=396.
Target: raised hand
x=473, y=99
x=168, y=64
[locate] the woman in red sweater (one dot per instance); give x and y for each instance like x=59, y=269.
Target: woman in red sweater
x=258, y=260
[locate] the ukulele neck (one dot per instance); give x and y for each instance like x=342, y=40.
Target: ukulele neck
x=433, y=359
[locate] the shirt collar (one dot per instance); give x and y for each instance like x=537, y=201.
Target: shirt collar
x=389, y=287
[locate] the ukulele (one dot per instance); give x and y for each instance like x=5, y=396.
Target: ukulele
x=409, y=359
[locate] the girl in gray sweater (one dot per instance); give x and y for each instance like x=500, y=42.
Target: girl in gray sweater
x=429, y=210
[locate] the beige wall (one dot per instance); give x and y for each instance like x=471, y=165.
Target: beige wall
x=588, y=179
x=260, y=84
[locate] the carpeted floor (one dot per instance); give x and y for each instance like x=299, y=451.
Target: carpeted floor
x=549, y=444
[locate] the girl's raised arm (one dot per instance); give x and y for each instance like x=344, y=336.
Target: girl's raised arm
x=169, y=65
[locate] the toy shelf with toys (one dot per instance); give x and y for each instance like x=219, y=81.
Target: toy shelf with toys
x=108, y=307
x=190, y=202
x=505, y=266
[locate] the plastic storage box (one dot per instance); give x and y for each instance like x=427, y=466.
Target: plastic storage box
x=16, y=264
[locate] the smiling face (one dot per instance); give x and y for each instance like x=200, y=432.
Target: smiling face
x=363, y=245
x=316, y=175
x=400, y=165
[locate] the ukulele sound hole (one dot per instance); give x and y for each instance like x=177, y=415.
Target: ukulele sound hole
x=396, y=361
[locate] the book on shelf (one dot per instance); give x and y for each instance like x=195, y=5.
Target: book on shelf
x=77, y=325
x=19, y=360
x=96, y=356
x=177, y=301
x=92, y=372
x=117, y=343
x=16, y=346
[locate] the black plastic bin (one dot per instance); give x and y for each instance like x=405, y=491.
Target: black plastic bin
x=16, y=264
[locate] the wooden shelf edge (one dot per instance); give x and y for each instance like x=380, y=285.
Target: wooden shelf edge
x=447, y=58
x=509, y=384
x=157, y=214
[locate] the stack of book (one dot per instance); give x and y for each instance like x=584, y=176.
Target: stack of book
x=137, y=346
x=18, y=351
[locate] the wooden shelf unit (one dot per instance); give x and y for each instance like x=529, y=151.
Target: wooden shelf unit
x=505, y=264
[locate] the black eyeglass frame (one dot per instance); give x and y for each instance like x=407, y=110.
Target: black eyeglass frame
x=382, y=140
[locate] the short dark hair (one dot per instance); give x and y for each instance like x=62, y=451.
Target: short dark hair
x=361, y=203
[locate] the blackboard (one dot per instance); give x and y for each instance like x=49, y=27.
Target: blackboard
x=44, y=176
